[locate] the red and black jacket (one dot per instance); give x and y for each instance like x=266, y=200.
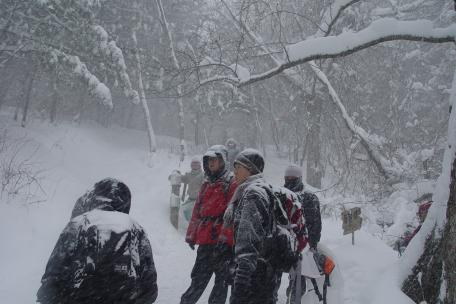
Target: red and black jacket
x=206, y=224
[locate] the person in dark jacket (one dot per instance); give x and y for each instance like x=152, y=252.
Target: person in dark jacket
x=249, y=213
x=310, y=206
x=309, y=202
x=102, y=255
x=206, y=229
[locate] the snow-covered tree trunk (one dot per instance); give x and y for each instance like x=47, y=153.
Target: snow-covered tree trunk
x=28, y=92
x=449, y=244
x=314, y=171
x=430, y=259
x=142, y=95
x=275, y=132
x=180, y=103
x=54, y=99
x=197, y=125
x=4, y=87
x=372, y=149
x=448, y=287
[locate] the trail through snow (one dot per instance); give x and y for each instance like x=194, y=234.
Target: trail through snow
x=75, y=157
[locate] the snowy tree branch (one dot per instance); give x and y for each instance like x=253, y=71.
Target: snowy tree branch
x=388, y=169
x=329, y=21
x=372, y=148
x=114, y=53
x=380, y=162
x=96, y=88
x=382, y=30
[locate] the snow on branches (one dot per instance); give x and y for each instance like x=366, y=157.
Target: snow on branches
x=381, y=30
x=114, y=53
x=97, y=89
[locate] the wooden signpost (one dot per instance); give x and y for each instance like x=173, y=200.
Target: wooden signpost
x=174, y=202
x=351, y=221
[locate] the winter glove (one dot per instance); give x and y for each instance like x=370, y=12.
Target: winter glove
x=192, y=246
x=228, y=216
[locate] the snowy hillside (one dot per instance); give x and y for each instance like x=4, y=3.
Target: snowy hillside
x=74, y=157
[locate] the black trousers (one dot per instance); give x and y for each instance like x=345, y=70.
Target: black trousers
x=210, y=259
x=263, y=287
x=291, y=290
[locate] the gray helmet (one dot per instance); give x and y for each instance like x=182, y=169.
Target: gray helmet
x=215, y=151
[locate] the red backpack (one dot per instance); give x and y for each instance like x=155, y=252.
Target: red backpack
x=283, y=244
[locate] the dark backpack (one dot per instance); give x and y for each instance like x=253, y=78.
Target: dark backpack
x=281, y=246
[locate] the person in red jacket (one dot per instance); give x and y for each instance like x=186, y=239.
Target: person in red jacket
x=206, y=229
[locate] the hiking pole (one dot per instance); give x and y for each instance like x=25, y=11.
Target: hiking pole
x=316, y=289
x=298, y=293
x=183, y=192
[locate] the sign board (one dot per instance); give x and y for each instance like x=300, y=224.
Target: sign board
x=174, y=201
x=352, y=220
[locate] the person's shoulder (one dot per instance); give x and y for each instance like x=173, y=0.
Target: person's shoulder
x=109, y=220
x=306, y=196
x=257, y=189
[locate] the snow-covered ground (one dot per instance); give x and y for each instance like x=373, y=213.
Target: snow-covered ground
x=74, y=157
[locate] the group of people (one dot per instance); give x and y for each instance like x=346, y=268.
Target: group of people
x=104, y=256
x=230, y=222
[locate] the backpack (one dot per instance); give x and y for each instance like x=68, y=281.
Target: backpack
x=281, y=245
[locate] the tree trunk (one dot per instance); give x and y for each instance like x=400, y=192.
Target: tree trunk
x=197, y=122
x=180, y=103
x=4, y=91
x=433, y=277
x=274, y=128
x=449, y=242
x=19, y=101
x=54, y=101
x=436, y=266
x=424, y=282
x=314, y=167
x=82, y=96
x=131, y=110
x=142, y=96
x=304, y=150
x=27, y=95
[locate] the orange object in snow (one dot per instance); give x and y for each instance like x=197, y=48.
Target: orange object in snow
x=329, y=265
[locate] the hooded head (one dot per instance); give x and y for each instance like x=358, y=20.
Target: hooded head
x=250, y=159
x=231, y=143
x=293, y=178
x=108, y=194
x=195, y=164
x=217, y=151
